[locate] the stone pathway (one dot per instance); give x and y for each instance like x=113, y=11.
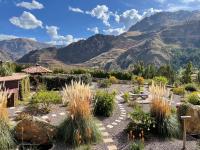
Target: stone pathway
x=106, y=128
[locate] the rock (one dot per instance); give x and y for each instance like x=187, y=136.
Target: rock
x=35, y=131
x=193, y=123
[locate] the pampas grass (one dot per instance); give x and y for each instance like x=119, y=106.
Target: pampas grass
x=166, y=124
x=6, y=139
x=79, y=127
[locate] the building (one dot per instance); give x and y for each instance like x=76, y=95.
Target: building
x=13, y=85
x=36, y=70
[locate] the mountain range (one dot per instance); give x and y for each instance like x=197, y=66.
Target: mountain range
x=166, y=37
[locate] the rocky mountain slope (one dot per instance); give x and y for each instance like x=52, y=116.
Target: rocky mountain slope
x=166, y=37
x=19, y=47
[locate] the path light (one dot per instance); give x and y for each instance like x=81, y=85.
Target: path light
x=184, y=130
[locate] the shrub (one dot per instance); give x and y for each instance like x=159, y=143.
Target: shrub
x=99, y=74
x=45, y=99
x=104, y=103
x=57, y=82
x=79, y=71
x=137, y=145
x=166, y=124
x=121, y=75
x=79, y=126
x=6, y=69
x=140, y=122
x=113, y=80
x=191, y=87
x=105, y=83
x=179, y=91
x=126, y=97
x=140, y=80
x=160, y=80
x=194, y=98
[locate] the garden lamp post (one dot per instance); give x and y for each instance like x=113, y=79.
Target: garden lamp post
x=184, y=130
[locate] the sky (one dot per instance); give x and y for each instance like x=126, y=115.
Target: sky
x=61, y=22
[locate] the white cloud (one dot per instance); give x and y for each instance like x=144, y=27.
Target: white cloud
x=78, y=10
x=95, y=30
x=150, y=12
x=130, y=17
x=9, y=37
x=114, y=31
x=100, y=12
x=57, y=39
x=33, y=5
x=26, y=21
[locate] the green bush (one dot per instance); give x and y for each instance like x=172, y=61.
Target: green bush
x=126, y=97
x=6, y=138
x=113, y=80
x=45, y=99
x=138, y=145
x=191, y=87
x=79, y=71
x=99, y=74
x=104, y=103
x=57, y=82
x=179, y=91
x=105, y=83
x=121, y=75
x=194, y=98
x=140, y=122
x=160, y=80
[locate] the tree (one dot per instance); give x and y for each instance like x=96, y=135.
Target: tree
x=198, y=77
x=168, y=72
x=187, y=74
x=139, y=68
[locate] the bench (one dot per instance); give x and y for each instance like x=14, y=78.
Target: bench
x=143, y=96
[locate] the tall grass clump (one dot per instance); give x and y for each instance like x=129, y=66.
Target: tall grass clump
x=6, y=139
x=79, y=127
x=166, y=123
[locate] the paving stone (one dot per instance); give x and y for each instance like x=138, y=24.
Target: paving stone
x=110, y=126
x=123, y=115
x=123, y=110
x=62, y=113
x=118, y=120
x=102, y=128
x=44, y=117
x=121, y=118
x=12, y=108
x=112, y=147
x=114, y=123
x=108, y=140
x=53, y=115
x=104, y=134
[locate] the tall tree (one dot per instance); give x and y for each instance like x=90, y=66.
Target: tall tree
x=187, y=74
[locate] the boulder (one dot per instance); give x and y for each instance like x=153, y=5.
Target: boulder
x=34, y=131
x=193, y=123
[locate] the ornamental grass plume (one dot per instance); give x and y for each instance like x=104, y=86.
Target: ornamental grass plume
x=79, y=127
x=166, y=124
x=6, y=139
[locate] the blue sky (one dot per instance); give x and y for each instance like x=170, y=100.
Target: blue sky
x=66, y=21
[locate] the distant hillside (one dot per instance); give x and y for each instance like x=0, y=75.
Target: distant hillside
x=19, y=47
x=166, y=37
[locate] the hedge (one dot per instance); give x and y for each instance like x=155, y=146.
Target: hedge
x=57, y=82
x=24, y=88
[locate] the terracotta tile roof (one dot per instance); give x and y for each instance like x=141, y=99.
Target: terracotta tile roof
x=36, y=69
x=15, y=76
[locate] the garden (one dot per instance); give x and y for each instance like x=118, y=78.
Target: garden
x=138, y=109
